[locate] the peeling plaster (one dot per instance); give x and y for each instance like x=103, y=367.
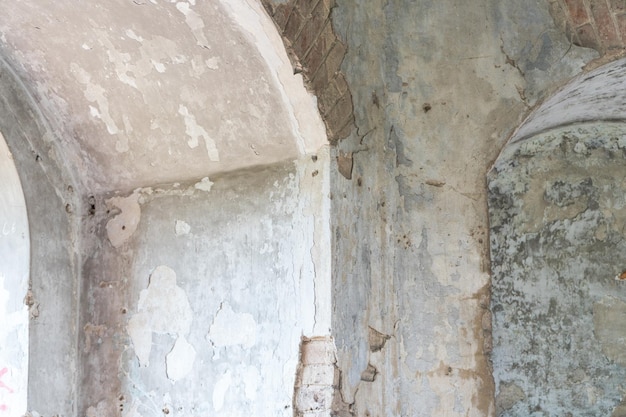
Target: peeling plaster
x=230, y=328
x=95, y=93
x=195, y=23
x=195, y=131
x=121, y=227
x=181, y=228
x=179, y=362
x=163, y=308
x=220, y=389
x=204, y=185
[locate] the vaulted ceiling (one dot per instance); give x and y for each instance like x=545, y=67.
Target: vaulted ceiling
x=143, y=92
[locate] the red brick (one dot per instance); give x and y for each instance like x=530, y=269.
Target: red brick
x=587, y=37
x=294, y=24
x=577, y=11
x=327, y=98
x=344, y=132
x=341, y=83
x=604, y=24
x=269, y=7
x=312, y=28
x=330, y=66
x=335, y=57
x=306, y=6
x=563, y=20
x=313, y=59
x=337, y=117
x=281, y=14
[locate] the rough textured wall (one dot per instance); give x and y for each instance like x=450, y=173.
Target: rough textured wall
x=198, y=294
x=52, y=205
x=437, y=88
x=557, y=212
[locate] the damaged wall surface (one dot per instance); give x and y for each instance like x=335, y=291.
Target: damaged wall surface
x=556, y=217
x=199, y=250
x=437, y=88
x=201, y=308
x=556, y=208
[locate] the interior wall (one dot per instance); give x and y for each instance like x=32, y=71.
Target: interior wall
x=53, y=207
x=197, y=295
x=437, y=87
x=556, y=208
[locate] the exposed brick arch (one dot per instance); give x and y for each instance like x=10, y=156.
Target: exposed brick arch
x=597, y=24
x=317, y=53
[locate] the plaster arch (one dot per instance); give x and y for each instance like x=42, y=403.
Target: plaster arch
x=556, y=200
x=169, y=116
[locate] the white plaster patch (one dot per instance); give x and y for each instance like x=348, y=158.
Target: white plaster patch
x=251, y=379
x=140, y=333
x=122, y=67
x=195, y=131
x=204, y=185
x=132, y=35
x=195, y=23
x=181, y=228
x=197, y=66
x=95, y=93
x=220, y=389
x=121, y=227
x=158, y=66
x=230, y=328
x=179, y=362
x=213, y=63
x=163, y=308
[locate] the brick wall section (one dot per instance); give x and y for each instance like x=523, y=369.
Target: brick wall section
x=597, y=24
x=317, y=379
x=317, y=52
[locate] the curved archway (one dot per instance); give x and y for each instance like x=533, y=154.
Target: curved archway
x=14, y=277
x=556, y=208
x=181, y=166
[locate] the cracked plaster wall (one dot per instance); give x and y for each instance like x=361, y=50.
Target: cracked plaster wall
x=201, y=309
x=437, y=89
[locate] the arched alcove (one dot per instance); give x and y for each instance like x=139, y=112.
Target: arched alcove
x=557, y=211
x=175, y=172
x=14, y=274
